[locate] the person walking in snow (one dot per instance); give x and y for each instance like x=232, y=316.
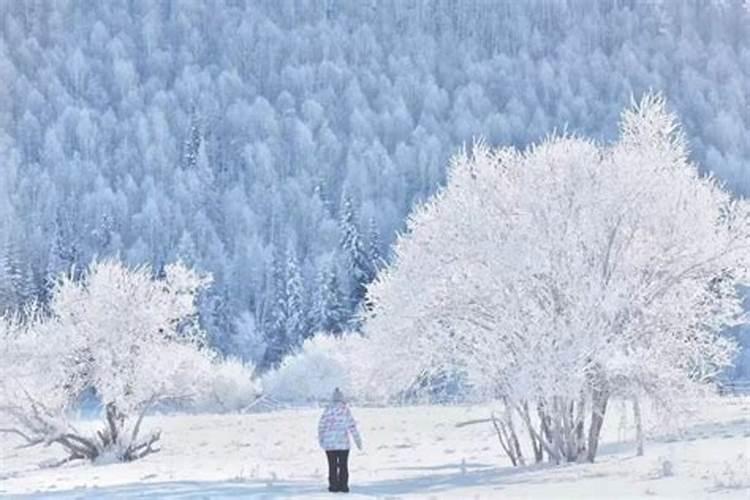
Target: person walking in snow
x=334, y=428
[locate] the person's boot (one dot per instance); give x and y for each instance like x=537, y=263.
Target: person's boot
x=341, y=487
x=344, y=481
x=333, y=485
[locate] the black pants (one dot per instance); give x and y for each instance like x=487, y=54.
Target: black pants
x=338, y=470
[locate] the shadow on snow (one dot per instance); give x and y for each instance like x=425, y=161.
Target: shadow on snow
x=466, y=476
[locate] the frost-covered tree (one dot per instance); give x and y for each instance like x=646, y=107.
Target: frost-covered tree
x=278, y=316
x=557, y=277
x=373, y=248
x=248, y=341
x=17, y=284
x=353, y=253
x=7, y=290
x=24, y=284
x=118, y=332
x=64, y=251
x=193, y=142
x=329, y=304
x=296, y=326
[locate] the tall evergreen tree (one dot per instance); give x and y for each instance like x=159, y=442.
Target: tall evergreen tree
x=276, y=333
x=374, y=259
x=216, y=318
x=295, y=314
x=193, y=141
x=330, y=311
x=373, y=249
x=186, y=249
x=7, y=290
x=353, y=253
x=63, y=253
x=24, y=284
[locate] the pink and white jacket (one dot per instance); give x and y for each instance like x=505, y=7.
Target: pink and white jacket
x=334, y=428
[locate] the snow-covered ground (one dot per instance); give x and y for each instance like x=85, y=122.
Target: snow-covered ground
x=410, y=452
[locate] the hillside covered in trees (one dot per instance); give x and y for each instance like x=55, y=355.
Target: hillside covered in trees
x=280, y=144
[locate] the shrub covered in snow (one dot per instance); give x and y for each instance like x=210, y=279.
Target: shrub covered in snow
x=734, y=475
x=228, y=385
x=322, y=364
x=132, y=340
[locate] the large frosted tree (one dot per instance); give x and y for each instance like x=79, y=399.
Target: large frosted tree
x=559, y=276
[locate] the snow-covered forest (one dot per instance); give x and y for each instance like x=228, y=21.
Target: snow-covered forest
x=280, y=145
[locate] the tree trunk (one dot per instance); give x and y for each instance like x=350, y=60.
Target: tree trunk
x=580, y=418
x=598, y=410
x=544, y=435
x=506, y=434
x=536, y=444
x=503, y=440
x=515, y=444
x=638, y=426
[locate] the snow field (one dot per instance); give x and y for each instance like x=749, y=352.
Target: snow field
x=409, y=452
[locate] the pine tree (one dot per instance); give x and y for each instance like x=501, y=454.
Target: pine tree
x=354, y=255
x=203, y=169
x=247, y=341
x=217, y=318
x=295, y=313
x=24, y=284
x=321, y=190
x=374, y=258
x=193, y=141
x=276, y=335
x=373, y=249
x=330, y=311
x=186, y=250
x=7, y=295
x=63, y=253
x=17, y=284
x=103, y=234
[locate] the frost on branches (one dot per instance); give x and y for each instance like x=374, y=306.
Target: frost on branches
x=130, y=339
x=555, y=278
